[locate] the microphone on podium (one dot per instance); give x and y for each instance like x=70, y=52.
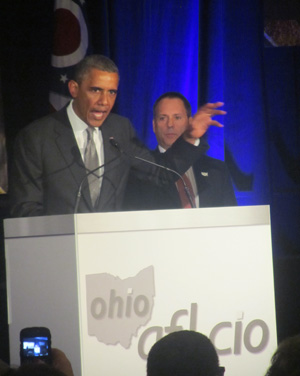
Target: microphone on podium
x=186, y=189
x=78, y=196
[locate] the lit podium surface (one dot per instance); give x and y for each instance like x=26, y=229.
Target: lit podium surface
x=109, y=285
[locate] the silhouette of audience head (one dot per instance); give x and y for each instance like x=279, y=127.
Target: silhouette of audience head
x=38, y=369
x=184, y=353
x=286, y=359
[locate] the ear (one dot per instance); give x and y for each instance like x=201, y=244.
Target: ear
x=73, y=88
x=153, y=125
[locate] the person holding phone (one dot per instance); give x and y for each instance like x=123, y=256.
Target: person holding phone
x=60, y=366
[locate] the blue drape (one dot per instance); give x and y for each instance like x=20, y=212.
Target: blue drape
x=213, y=51
x=155, y=45
x=209, y=50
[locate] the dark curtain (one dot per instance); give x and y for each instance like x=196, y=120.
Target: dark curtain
x=214, y=50
x=207, y=49
x=155, y=45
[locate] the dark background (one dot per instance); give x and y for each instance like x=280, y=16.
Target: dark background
x=208, y=50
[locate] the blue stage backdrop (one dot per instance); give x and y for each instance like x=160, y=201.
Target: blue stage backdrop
x=214, y=50
x=209, y=50
x=155, y=45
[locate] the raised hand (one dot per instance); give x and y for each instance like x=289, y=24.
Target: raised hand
x=202, y=120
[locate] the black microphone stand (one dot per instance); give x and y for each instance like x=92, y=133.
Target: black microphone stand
x=78, y=196
x=186, y=188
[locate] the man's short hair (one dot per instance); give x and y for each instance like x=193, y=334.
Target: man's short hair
x=100, y=62
x=171, y=95
x=286, y=359
x=183, y=353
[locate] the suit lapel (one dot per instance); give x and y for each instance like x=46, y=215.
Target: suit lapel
x=170, y=191
x=111, y=172
x=202, y=181
x=67, y=145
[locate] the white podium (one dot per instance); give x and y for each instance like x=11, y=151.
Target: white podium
x=109, y=285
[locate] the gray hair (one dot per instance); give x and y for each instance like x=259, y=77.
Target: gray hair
x=100, y=62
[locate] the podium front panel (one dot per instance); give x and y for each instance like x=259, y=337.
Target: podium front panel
x=42, y=289
x=145, y=274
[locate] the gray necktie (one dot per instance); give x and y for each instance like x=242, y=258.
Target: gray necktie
x=91, y=162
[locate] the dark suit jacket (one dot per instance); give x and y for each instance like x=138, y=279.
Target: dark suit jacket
x=213, y=184
x=47, y=167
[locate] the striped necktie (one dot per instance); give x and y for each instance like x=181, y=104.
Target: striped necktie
x=185, y=202
x=91, y=162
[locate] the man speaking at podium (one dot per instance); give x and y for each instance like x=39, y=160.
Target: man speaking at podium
x=208, y=179
x=57, y=160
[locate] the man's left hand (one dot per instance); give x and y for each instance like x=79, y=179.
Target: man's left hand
x=202, y=120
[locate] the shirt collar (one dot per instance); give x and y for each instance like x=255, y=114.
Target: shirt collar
x=162, y=150
x=78, y=125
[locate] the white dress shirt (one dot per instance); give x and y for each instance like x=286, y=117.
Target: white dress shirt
x=79, y=128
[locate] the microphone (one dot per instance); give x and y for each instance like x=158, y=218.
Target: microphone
x=78, y=196
x=116, y=144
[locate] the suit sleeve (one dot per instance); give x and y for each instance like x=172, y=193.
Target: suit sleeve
x=26, y=183
x=179, y=157
x=229, y=198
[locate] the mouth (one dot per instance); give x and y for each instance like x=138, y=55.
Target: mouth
x=98, y=114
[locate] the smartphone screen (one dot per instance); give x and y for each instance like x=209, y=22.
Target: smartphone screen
x=35, y=345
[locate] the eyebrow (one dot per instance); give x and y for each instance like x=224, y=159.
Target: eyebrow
x=178, y=113
x=100, y=88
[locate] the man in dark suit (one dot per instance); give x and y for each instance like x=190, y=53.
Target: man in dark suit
x=53, y=155
x=208, y=178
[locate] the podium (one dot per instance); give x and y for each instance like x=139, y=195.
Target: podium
x=109, y=285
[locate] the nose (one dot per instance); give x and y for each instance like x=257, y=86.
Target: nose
x=170, y=123
x=103, y=98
